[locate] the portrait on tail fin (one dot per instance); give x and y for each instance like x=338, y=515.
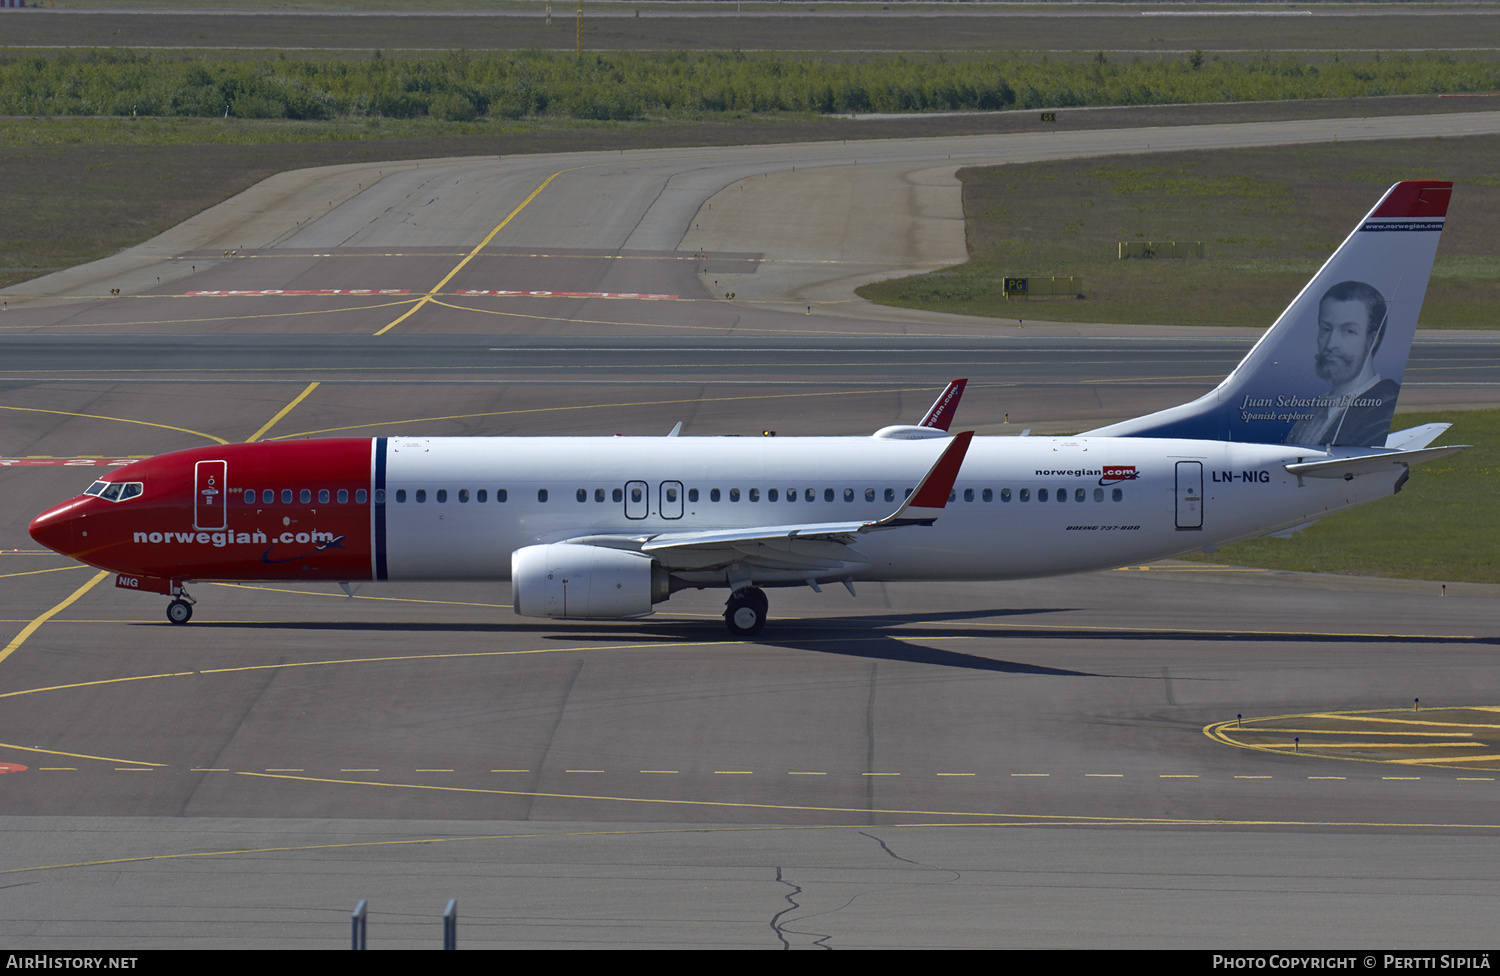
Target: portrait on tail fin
x=1359, y=404
x=1329, y=369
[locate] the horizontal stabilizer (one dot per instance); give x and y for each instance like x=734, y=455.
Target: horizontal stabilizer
x=1366, y=464
x=1413, y=438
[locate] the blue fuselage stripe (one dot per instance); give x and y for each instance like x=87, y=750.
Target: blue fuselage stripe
x=379, y=503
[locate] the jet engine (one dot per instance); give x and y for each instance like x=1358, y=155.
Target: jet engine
x=571, y=581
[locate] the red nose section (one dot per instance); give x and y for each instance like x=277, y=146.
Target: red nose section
x=54, y=527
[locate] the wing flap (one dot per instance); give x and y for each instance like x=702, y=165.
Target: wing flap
x=768, y=534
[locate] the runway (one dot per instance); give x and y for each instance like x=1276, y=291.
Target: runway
x=1036, y=764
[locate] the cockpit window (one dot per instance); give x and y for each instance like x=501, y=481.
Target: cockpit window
x=115, y=491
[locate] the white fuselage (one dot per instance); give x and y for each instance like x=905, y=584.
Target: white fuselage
x=1021, y=507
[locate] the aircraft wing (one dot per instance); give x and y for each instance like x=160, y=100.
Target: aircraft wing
x=940, y=414
x=843, y=532
x=820, y=547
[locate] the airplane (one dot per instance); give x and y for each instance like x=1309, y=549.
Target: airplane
x=609, y=527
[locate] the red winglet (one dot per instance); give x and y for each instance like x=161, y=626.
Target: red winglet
x=924, y=505
x=934, y=489
x=940, y=415
x=1416, y=198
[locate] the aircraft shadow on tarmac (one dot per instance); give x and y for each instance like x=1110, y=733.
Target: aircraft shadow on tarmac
x=897, y=637
x=874, y=638
x=792, y=633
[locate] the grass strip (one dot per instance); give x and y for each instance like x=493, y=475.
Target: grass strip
x=1440, y=527
x=632, y=85
x=1266, y=218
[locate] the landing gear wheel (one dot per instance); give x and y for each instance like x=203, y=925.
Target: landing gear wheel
x=745, y=613
x=179, y=611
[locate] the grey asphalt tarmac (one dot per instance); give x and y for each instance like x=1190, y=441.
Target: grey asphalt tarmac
x=975, y=765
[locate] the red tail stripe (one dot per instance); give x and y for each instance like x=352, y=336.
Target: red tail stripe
x=1416, y=198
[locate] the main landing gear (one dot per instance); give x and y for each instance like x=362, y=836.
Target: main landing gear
x=180, y=610
x=745, y=613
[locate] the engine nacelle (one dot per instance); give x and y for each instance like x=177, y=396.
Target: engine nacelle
x=908, y=432
x=570, y=581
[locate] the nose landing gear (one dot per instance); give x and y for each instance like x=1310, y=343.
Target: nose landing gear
x=745, y=613
x=180, y=610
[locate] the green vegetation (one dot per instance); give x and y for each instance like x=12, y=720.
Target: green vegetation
x=91, y=136
x=635, y=85
x=1440, y=527
x=1267, y=219
x=853, y=28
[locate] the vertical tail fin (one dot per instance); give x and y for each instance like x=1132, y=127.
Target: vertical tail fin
x=1330, y=369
